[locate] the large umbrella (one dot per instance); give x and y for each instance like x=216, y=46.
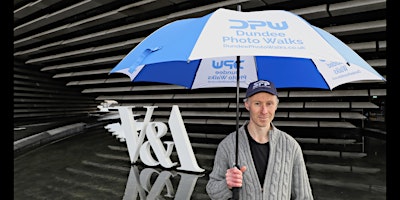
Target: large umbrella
x=229, y=48
x=275, y=45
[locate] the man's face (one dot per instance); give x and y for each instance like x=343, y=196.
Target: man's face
x=262, y=107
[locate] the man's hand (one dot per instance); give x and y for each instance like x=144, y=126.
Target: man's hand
x=234, y=176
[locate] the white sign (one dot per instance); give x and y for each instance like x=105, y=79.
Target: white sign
x=135, y=132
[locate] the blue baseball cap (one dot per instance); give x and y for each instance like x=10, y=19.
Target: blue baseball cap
x=261, y=86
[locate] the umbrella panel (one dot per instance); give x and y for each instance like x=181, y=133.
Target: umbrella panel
x=284, y=72
x=177, y=72
x=287, y=72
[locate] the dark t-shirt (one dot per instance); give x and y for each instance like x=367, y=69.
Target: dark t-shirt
x=260, y=154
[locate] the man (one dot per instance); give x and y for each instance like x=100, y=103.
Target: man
x=271, y=161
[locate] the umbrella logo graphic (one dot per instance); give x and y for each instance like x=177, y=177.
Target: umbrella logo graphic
x=253, y=24
x=223, y=72
x=218, y=64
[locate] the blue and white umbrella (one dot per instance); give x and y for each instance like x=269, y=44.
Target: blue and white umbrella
x=274, y=45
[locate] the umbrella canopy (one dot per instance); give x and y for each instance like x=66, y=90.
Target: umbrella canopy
x=274, y=45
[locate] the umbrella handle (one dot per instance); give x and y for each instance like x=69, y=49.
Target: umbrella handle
x=235, y=190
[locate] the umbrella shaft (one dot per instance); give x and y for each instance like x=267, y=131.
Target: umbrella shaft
x=237, y=107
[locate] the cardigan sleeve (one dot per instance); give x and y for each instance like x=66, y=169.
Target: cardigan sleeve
x=301, y=188
x=216, y=186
